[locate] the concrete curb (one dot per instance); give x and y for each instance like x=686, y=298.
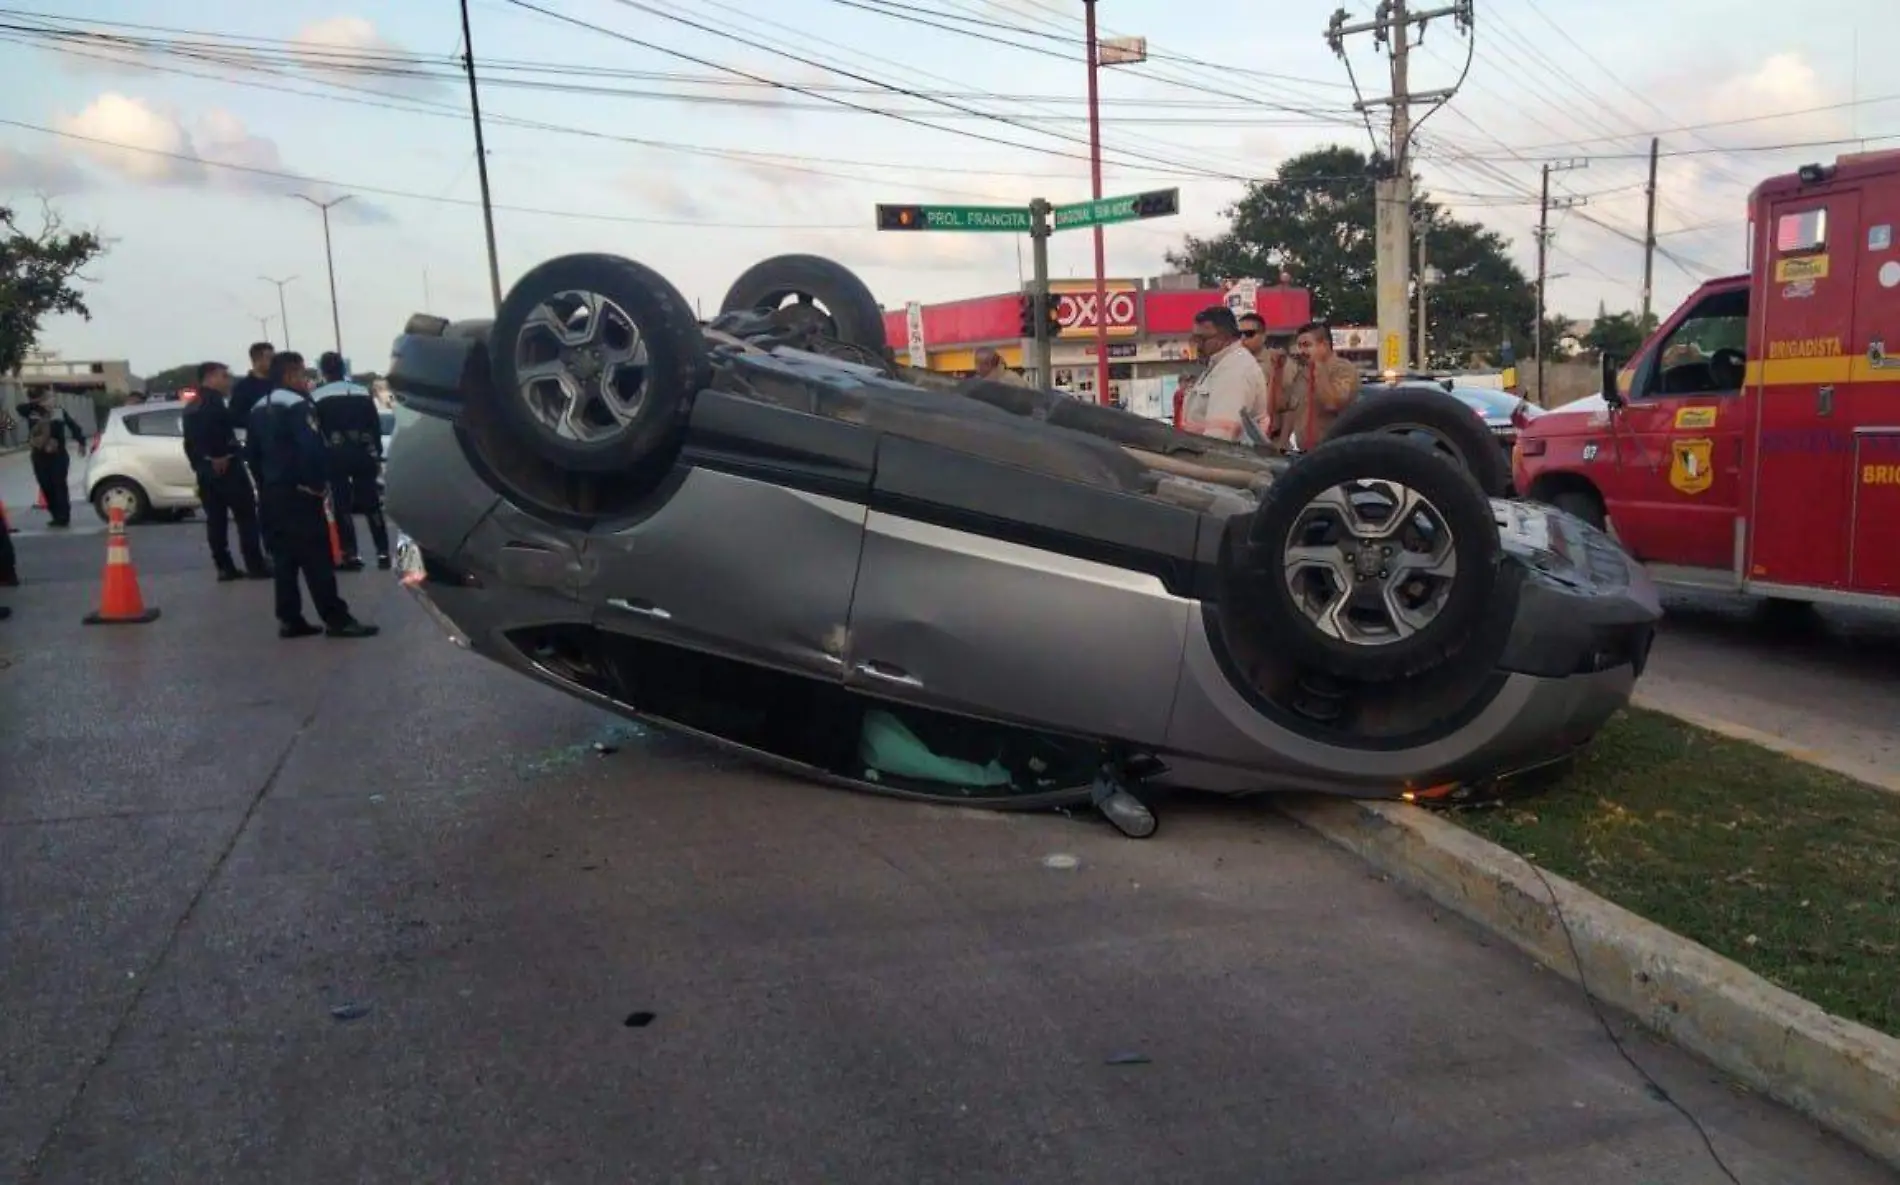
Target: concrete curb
x=1843, y=1075
x=1778, y=744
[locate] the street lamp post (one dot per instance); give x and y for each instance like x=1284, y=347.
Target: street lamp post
x=336, y=320
x=283, y=315
x=1122, y=51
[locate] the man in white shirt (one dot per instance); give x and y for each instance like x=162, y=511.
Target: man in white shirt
x=1230, y=400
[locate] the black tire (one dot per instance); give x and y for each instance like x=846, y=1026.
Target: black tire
x=1463, y=599
x=676, y=364
x=1439, y=414
x=140, y=504
x=1583, y=505
x=855, y=317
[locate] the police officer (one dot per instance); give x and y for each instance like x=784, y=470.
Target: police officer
x=216, y=457
x=353, y=430
x=288, y=454
x=254, y=386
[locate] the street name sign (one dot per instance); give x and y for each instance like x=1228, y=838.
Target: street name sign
x=1156, y=203
x=1010, y=219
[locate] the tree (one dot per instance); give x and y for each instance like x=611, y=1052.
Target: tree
x=1618, y=334
x=1316, y=220
x=38, y=279
x=173, y=378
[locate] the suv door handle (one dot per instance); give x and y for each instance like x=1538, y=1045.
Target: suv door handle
x=642, y=608
x=888, y=673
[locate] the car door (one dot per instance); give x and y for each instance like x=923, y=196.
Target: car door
x=160, y=453
x=1679, y=440
x=979, y=594
x=1871, y=401
x=749, y=548
x=1802, y=513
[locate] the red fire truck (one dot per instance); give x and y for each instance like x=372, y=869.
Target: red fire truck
x=1753, y=442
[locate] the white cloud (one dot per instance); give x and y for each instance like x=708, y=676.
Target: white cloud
x=151, y=144
x=350, y=48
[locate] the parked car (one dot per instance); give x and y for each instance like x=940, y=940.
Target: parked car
x=137, y=463
x=765, y=532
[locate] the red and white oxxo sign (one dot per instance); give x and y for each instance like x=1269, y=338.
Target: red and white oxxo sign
x=1078, y=312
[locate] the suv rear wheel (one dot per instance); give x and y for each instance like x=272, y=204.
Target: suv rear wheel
x=124, y=493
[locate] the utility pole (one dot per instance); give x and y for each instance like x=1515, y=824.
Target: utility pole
x=1040, y=229
x=283, y=316
x=1391, y=26
x=1544, y=207
x=1424, y=355
x=1649, y=234
x=329, y=259
x=481, y=158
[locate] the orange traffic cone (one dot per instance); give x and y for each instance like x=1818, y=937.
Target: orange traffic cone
x=336, y=541
x=120, y=602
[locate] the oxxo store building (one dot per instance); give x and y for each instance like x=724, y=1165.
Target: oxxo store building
x=1150, y=329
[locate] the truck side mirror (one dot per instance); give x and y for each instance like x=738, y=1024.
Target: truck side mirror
x=1611, y=364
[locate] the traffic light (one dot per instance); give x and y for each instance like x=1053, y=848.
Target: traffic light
x=1158, y=203
x=1052, y=313
x=900, y=217
x=1026, y=315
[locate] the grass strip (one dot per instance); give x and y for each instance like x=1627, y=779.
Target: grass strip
x=1790, y=870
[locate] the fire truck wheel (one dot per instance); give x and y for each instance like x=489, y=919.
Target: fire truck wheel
x=1583, y=505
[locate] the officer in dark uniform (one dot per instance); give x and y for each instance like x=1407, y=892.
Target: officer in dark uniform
x=224, y=485
x=253, y=387
x=289, y=458
x=353, y=430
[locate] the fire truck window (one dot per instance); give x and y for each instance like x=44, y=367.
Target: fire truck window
x=1706, y=353
x=1805, y=230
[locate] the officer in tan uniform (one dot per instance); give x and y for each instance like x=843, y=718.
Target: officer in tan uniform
x=1307, y=392
x=990, y=365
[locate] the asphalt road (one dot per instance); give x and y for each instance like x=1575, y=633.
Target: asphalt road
x=376, y=911
x=1829, y=681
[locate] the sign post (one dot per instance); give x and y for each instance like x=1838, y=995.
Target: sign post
x=1039, y=232
x=1039, y=220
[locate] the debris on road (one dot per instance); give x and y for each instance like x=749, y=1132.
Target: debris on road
x=351, y=1011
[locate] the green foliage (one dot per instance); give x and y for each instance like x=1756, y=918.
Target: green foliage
x=1316, y=221
x=39, y=276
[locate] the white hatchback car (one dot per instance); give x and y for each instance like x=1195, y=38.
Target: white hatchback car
x=138, y=464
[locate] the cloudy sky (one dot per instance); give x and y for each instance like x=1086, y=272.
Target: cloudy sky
x=187, y=153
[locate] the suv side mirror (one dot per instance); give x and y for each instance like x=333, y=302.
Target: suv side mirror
x=1611, y=364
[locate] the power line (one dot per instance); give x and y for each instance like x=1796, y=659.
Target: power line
x=244, y=57
x=905, y=12
x=631, y=40
x=450, y=111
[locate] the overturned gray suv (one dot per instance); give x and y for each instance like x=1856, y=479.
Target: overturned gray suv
x=763, y=531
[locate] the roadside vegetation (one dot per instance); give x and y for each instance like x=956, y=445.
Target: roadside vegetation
x=1790, y=870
